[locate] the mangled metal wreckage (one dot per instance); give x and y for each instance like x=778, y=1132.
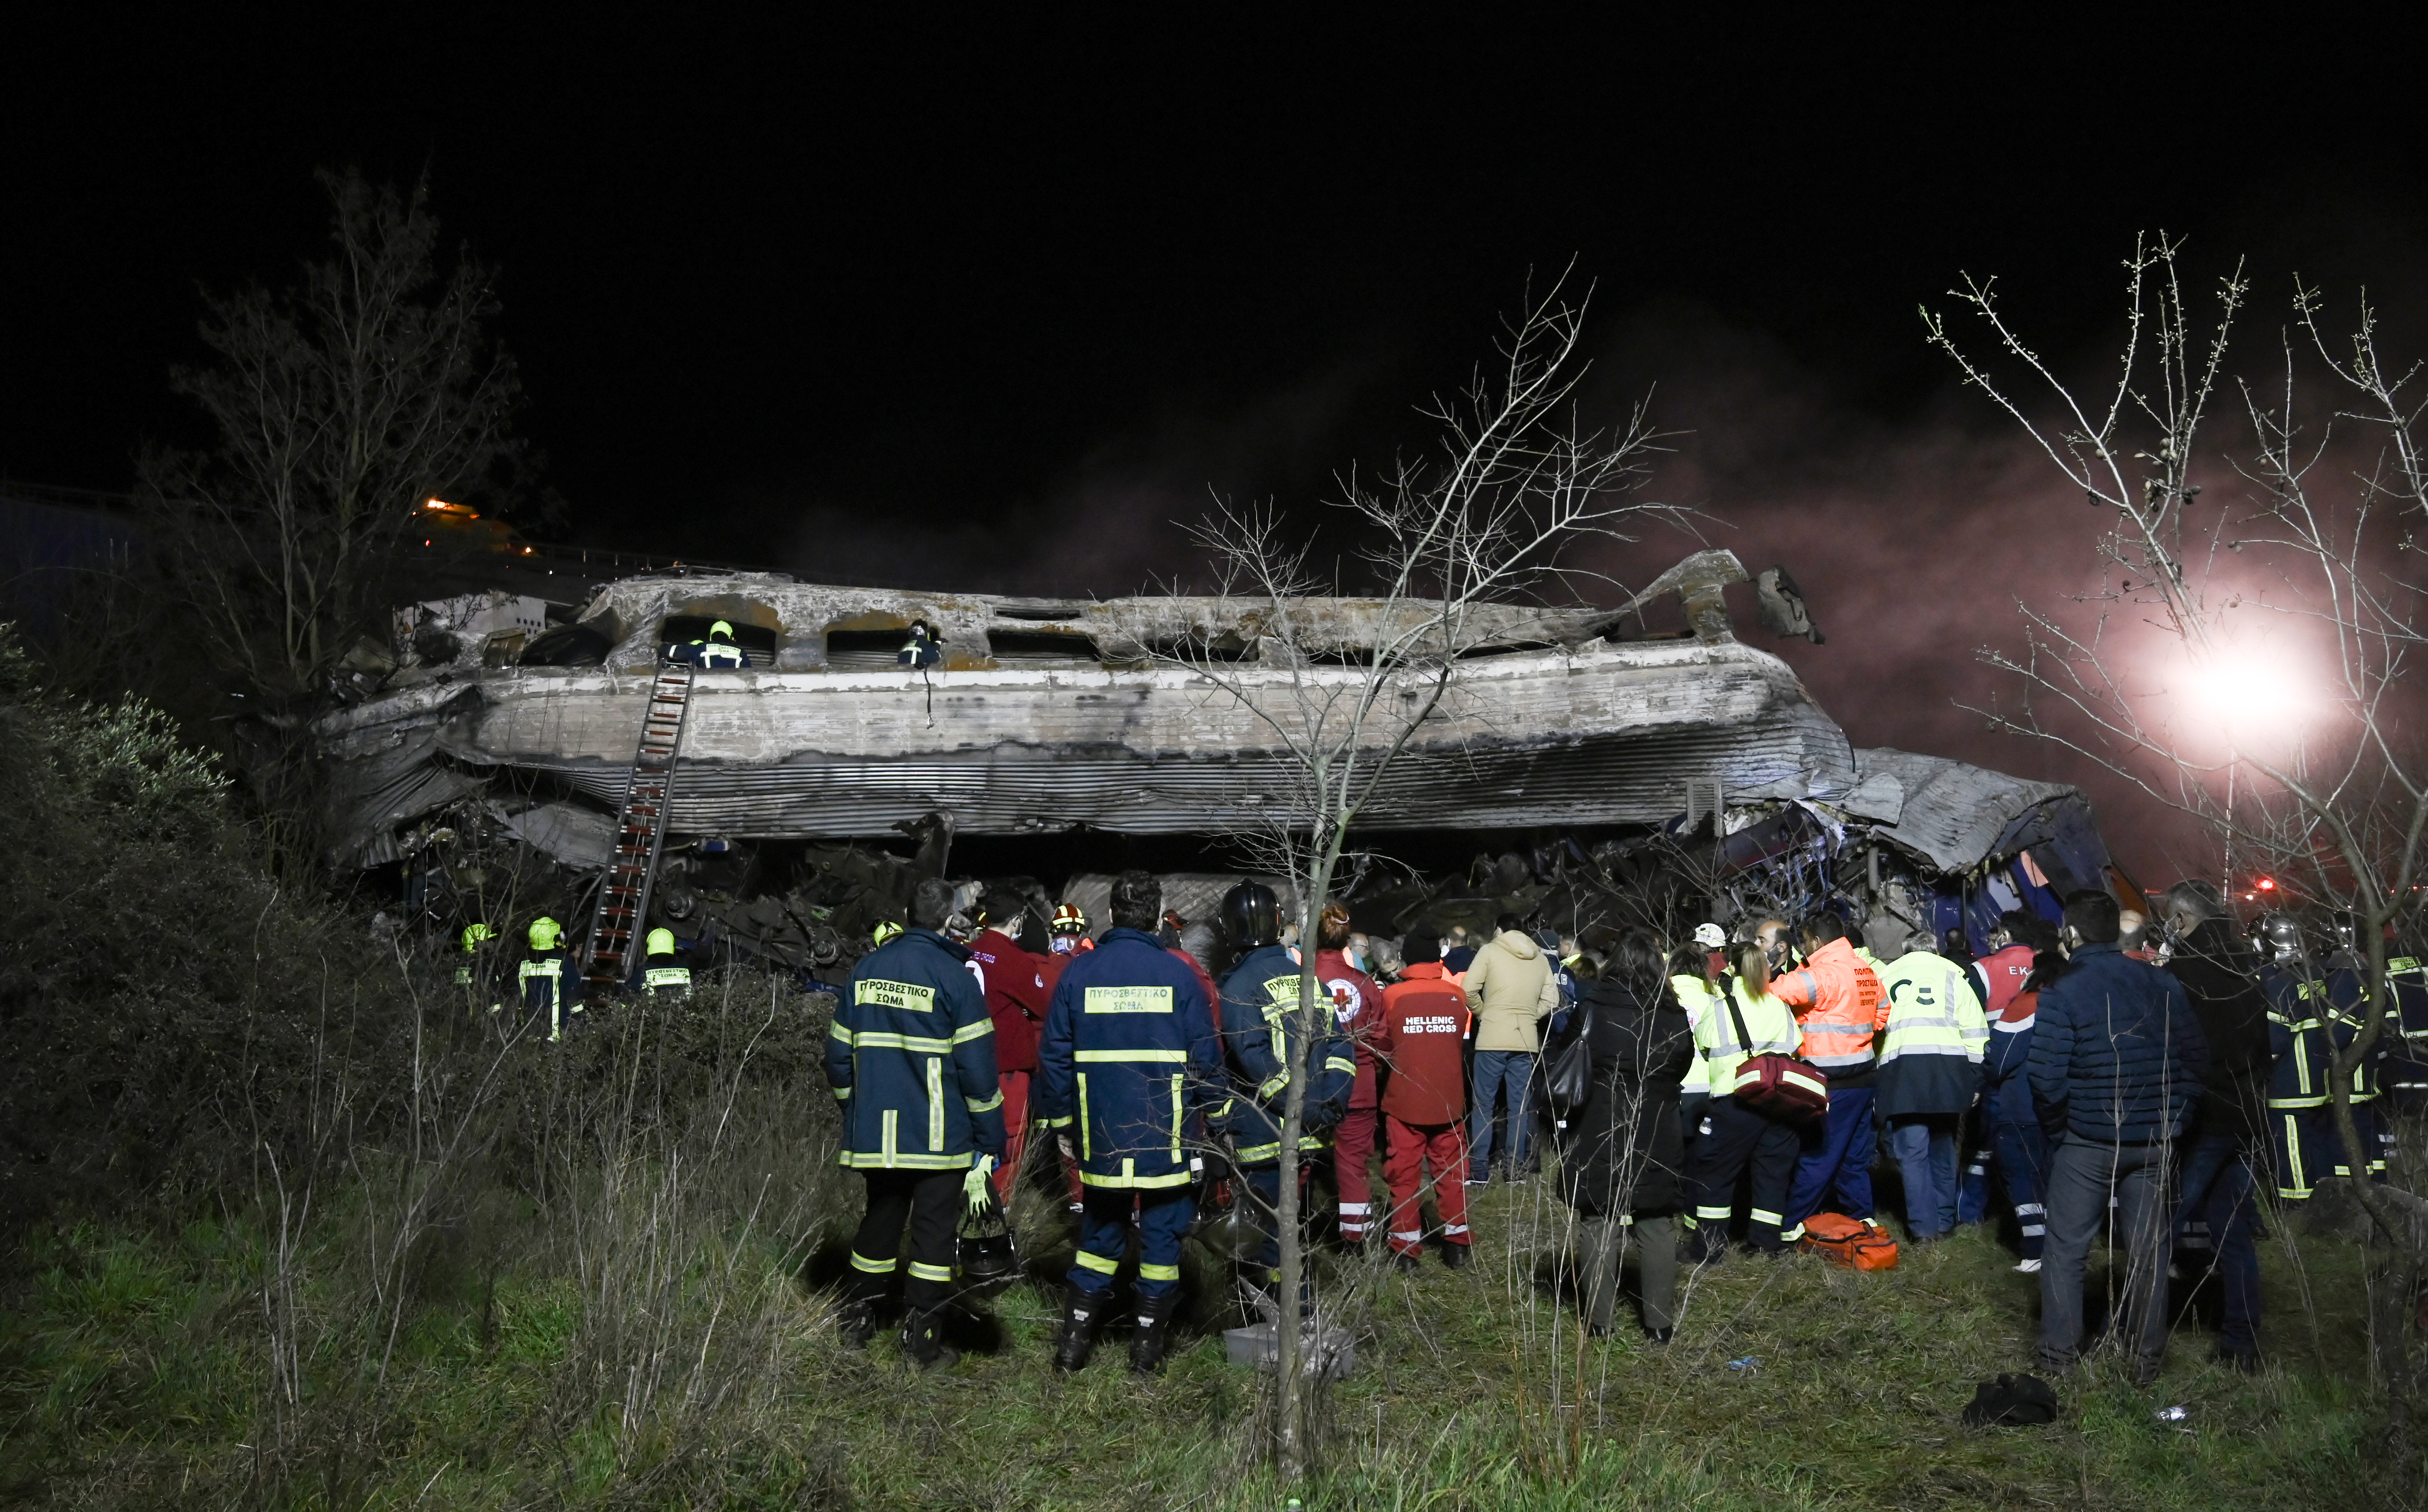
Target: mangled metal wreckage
x=1608, y=771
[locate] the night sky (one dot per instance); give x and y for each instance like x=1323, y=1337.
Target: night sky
x=991, y=309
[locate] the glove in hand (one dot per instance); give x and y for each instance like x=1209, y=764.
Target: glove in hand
x=974, y=1187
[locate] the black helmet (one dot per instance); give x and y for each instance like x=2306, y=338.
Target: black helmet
x=1252, y=916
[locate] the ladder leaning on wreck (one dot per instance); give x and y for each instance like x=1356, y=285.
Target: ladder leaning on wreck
x=640, y=828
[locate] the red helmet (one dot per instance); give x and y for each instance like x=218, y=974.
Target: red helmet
x=1069, y=920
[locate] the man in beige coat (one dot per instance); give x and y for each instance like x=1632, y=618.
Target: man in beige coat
x=1511, y=990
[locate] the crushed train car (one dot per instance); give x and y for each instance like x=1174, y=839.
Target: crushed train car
x=1610, y=771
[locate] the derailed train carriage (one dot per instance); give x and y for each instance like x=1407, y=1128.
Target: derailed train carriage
x=1585, y=769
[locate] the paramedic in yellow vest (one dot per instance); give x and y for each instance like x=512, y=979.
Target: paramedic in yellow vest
x=1743, y=1020
x=664, y=976
x=551, y=987
x=1692, y=979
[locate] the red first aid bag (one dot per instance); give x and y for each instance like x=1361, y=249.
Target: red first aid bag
x=1778, y=1087
x=1850, y=1242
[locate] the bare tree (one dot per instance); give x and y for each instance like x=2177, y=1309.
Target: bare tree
x=1450, y=541
x=340, y=407
x=2247, y=659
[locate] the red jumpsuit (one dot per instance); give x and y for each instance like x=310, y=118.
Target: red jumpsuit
x=1356, y=1003
x=1016, y=994
x=1420, y=1045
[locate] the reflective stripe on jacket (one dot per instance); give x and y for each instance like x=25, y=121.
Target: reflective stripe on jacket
x=911, y=1056
x=666, y=981
x=1841, y=1006
x=549, y=989
x=1259, y=998
x=1767, y=1019
x=2344, y=1014
x=2001, y=975
x=1931, y=1053
x=1127, y=1061
x=2297, y=1042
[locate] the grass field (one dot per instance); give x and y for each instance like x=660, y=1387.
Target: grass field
x=134, y=1373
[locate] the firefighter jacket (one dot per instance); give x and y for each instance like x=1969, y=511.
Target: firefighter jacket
x=665, y=977
x=552, y=990
x=1259, y=998
x=2407, y=984
x=1998, y=977
x=2345, y=1012
x=2297, y=1040
x=1839, y=1007
x=1016, y=996
x=1767, y=1019
x=1931, y=1053
x=911, y=1058
x=1357, y=1010
x=1698, y=996
x=1420, y=1040
x=1129, y=1062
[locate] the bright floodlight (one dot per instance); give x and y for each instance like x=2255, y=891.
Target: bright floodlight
x=2252, y=693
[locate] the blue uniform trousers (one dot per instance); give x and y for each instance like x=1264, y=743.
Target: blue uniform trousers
x=1164, y=1214
x=1837, y=1155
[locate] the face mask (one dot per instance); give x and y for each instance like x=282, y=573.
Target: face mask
x=1355, y=958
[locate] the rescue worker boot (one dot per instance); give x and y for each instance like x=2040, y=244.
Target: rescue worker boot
x=922, y=1339
x=1153, y=1322
x=1082, y=1315
x=856, y=1321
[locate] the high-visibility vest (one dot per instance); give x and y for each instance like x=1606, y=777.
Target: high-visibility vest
x=1699, y=998
x=666, y=980
x=1842, y=1000
x=717, y=653
x=1932, y=1010
x=1767, y=1019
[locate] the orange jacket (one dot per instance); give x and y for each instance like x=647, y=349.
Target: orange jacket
x=1839, y=1003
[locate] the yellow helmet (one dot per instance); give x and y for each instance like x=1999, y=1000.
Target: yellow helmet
x=887, y=930
x=544, y=933
x=723, y=628
x=474, y=934
x=661, y=941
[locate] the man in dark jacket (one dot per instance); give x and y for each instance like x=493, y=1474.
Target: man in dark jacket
x=911, y=1058
x=1623, y=1162
x=2115, y=1070
x=1127, y=1061
x=2218, y=1208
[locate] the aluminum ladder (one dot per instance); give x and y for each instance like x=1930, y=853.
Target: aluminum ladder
x=640, y=829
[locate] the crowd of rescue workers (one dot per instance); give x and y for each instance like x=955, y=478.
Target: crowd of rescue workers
x=2149, y=1080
